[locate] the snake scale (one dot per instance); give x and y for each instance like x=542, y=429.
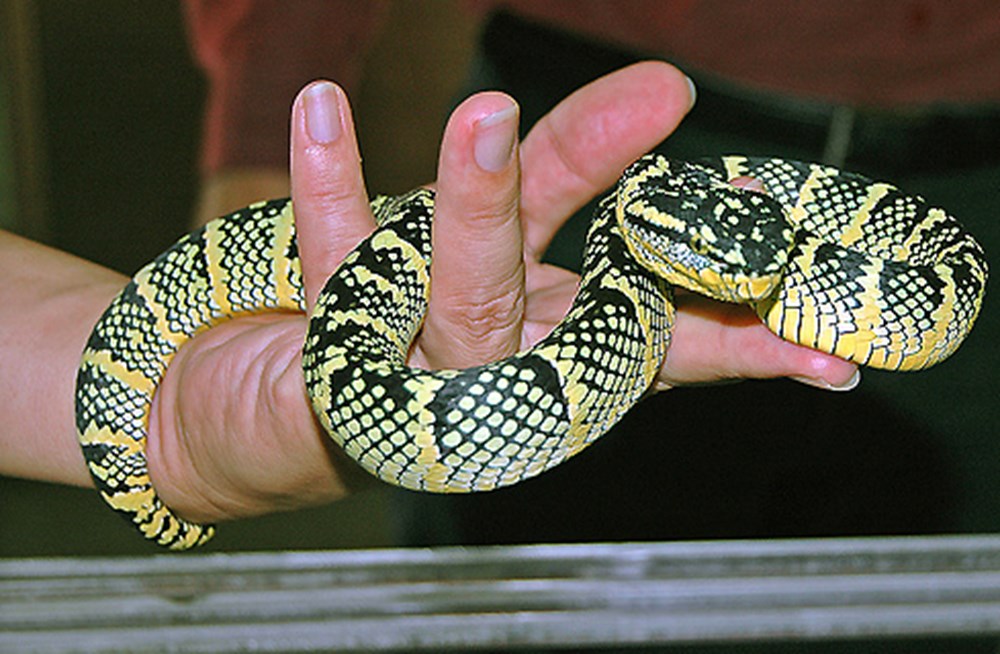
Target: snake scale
x=829, y=259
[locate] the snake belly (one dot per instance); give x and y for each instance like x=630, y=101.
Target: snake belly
x=853, y=247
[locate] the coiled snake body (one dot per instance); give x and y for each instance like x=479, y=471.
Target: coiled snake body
x=829, y=259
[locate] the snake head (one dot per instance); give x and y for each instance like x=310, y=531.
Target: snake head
x=696, y=230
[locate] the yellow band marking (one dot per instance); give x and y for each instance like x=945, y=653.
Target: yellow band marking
x=735, y=166
x=919, y=233
x=218, y=275
x=806, y=195
x=855, y=229
x=134, y=379
x=285, y=269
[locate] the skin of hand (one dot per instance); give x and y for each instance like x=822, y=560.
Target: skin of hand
x=231, y=431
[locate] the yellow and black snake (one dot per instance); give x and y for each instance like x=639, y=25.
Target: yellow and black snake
x=828, y=258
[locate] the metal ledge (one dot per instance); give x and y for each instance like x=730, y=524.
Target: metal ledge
x=505, y=597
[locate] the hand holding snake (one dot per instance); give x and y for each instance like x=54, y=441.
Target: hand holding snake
x=352, y=196
x=209, y=470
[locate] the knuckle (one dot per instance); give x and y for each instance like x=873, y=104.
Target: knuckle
x=478, y=330
x=491, y=317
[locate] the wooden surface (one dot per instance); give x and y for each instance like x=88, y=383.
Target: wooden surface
x=538, y=596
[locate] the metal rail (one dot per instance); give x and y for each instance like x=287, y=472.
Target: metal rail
x=504, y=597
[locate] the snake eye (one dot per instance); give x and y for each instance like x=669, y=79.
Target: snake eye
x=698, y=244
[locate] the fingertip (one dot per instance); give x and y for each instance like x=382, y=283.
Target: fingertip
x=676, y=89
x=316, y=113
x=693, y=91
x=659, y=87
x=830, y=373
x=479, y=172
x=809, y=366
x=482, y=131
x=494, y=138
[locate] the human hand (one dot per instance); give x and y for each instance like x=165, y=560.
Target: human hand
x=215, y=455
x=491, y=295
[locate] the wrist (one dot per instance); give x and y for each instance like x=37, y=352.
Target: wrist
x=50, y=301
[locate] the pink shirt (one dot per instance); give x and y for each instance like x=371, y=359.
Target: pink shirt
x=884, y=53
x=879, y=53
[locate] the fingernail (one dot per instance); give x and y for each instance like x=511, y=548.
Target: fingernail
x=494, y=138
x=322, y=109
x=694, y=92
x=850, y=384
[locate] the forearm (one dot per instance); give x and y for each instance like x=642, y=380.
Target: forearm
x=49, y=301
